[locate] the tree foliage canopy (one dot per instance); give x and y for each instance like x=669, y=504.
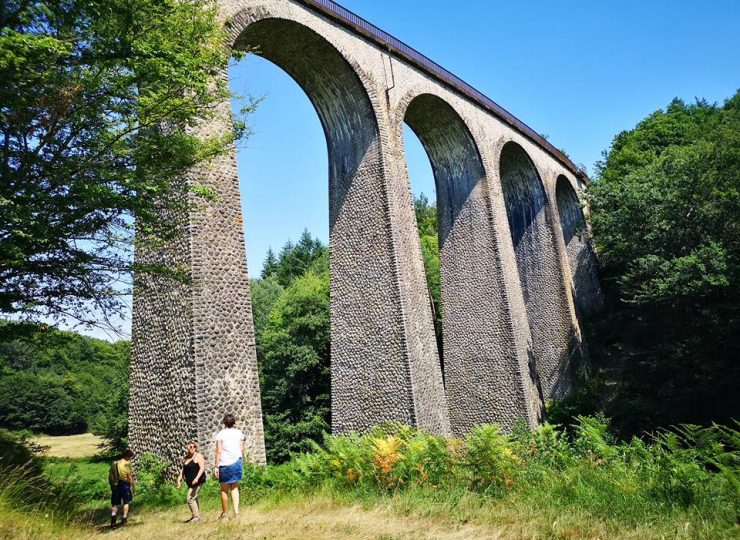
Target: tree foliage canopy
x=295, y=371
x=665, y=211
x=98, y=103
x=666, y=204
x=426, y=222
x=290, y=304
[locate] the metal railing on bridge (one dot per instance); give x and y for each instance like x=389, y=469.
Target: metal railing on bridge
x=414, y=57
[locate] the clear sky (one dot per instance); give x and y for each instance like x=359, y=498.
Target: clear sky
x=578, y=71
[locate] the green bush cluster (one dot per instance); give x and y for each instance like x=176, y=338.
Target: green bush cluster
x=688, y=471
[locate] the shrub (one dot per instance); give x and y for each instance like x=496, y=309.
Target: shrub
x=152, y=487
x=490, y=462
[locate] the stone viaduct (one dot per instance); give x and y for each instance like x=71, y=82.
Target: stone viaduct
x=517, y=270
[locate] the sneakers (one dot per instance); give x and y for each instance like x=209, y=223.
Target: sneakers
x=195, y=519
x=124, y=522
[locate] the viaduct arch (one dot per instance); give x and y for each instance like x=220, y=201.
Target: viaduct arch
x=579, y=251
x=510, y=325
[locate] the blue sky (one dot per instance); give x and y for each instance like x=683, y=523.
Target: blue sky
x=578, y=71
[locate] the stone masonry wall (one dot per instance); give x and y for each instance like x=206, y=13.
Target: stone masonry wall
x=193, y=348
x=540, y=272
x=487, y=378
x=508, y=313
x=578, y=249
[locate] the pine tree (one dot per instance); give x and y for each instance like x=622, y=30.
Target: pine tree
x=270, y=265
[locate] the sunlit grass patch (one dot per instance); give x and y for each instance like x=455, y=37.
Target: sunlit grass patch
x=70, y=446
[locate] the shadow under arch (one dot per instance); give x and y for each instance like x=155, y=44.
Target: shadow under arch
x=553, y=339
x=579, y=251
x=456, y=166
x=457, y=169
x=483, y=379
x=456, y=162
x=372, y=368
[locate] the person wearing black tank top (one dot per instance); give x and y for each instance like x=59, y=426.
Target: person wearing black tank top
x=194, y=472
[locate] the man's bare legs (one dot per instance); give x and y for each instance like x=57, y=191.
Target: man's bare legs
x=114, y=513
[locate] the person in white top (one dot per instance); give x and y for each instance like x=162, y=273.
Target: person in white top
x=228, y=469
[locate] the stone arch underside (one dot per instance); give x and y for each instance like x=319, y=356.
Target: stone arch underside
x=553, y=338
x=485, y=380
x=579, y=252
x=376, y=375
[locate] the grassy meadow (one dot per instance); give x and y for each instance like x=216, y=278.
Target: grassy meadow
x=69, y=446
x=397, y=482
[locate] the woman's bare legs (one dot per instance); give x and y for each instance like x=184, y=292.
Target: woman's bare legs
x=235, y=497
x=225, y=499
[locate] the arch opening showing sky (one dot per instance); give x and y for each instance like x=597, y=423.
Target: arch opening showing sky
x=283, y=164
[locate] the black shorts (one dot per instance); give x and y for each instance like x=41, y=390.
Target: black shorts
x=121, y=493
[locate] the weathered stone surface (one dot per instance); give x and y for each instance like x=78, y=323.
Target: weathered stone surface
x=193, y=348
x=578, y=248
x=509, y=315
x=487, y=372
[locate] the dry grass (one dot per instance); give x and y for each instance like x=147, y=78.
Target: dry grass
x=312, y=517
x=70, y=446
x=307, y=519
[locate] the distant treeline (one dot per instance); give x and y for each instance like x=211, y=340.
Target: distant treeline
x=61, y=383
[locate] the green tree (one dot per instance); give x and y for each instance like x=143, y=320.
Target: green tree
x=426, y=220
x=270, y=265
x=111, y=422
x=265, y=294
x=296, y=259
x=295, y=372
x=45, y=403
x=61, y=382
x=97, y=104
x=665, y=210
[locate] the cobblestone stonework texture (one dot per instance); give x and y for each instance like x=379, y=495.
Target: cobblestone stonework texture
x=508, y=280
x=578, y=249
x=540, y=271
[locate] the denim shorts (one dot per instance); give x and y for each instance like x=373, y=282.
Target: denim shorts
x=121, y=493
x=230, y=474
